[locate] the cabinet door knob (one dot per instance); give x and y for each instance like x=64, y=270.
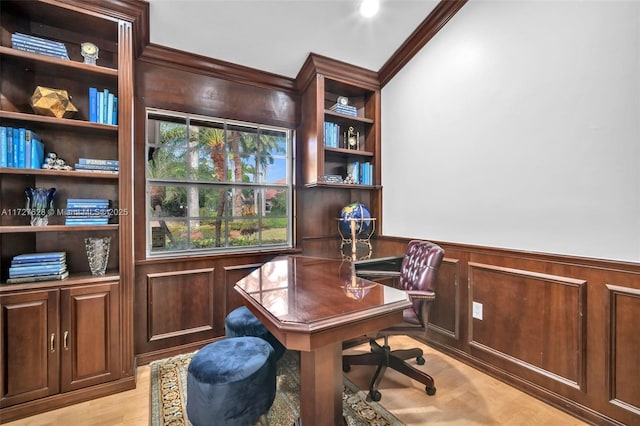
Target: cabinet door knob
x=53, y=342
x=64, y=340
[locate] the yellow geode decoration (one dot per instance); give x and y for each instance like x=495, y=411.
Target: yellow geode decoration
x=52, y=102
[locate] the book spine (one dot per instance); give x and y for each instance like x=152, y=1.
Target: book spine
x=93, y=104
x=100, y=106
x=114, y=121
x=50, y=277
x=37, y=154
x=38, y=41
x=88, y=200
x=105, y=106
x=41, y=256
x=79, y=222
x=22, y=145
x=9, y=134
x=109, y=108
x=98, y=161
x=37, y=263
x=96, y=167
x=40, y=51
x=48, y=269
x=3, y=146
x=16, y=147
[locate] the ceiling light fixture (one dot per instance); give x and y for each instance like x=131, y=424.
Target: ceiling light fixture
x=368, y=8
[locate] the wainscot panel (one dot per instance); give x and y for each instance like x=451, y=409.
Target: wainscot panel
x=561, y=328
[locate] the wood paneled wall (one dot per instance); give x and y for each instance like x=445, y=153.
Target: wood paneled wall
x=180, y=304
x=561, y=328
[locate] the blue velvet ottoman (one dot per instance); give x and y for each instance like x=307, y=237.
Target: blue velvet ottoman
x=231, y=382
x=241, y=322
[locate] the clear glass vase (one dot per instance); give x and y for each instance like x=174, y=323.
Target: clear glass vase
x=97, y=254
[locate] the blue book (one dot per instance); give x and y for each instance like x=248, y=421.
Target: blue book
x=100, y=107
x=9, y=135
x=29, y=137
x=15, y=262
x=37, y=41
x=3, y=146
x=87, y=202
x=13, y=274
x=52, y=255
x=22, y=144
x=87, y=221
x=96, y=167
x=109, y=108
x=114, y=121
x=93, y=104
x=37, y=154
x=16, y=147
x=52, y=277
x=98, y=161
x=105, y=106
x=39, y=50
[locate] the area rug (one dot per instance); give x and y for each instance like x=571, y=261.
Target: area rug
x=169, y=396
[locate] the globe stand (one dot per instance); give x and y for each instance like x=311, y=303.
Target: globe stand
x=354, y=238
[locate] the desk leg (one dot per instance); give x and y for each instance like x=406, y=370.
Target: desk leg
x=321, y=386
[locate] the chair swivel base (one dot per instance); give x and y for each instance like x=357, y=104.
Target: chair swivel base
x=384, y=358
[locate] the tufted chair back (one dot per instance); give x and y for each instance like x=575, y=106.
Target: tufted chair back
x=419, y=272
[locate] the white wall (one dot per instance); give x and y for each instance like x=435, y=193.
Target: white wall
x=517, y=126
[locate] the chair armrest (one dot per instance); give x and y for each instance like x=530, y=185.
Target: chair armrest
x=390, y=263
x=374, y=273
x=421, y=295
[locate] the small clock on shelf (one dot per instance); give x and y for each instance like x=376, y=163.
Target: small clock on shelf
x=89, y=52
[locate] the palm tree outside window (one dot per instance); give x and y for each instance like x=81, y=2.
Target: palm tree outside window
x=215, y=185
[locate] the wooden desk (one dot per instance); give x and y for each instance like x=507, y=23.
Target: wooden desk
x=311, y=305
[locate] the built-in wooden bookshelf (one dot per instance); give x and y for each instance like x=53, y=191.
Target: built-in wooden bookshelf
x=65, y=339
x=321, y=82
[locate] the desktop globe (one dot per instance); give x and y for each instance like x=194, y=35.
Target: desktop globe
x=360, y=213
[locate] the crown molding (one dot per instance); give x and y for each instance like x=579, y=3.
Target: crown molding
x=433, y=23
x=349, y=73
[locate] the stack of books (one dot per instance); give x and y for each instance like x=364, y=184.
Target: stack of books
x=87, y=211
x=344, y=109
x=97, y=165
x=103, y=106
x=331, y=135
x=42, y=46
x=20, y=148
x=33, y=267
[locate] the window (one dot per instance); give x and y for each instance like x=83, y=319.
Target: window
x=216, y=185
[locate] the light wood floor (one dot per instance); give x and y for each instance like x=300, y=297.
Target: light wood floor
x=464, y=396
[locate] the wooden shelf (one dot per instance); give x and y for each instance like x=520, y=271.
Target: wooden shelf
x=348, y=117
x=20, y=229
x=58, y=173
x=82, y=278
x=340, y=185
x=344, y=151
x=33, y=59
x=68, y=122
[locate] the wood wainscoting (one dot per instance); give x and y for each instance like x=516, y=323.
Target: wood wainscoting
x=181, y=304
x=561, y=328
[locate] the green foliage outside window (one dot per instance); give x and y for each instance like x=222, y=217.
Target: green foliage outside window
x=215, y=185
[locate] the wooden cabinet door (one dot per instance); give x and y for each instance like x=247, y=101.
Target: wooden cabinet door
x=29, y=346
x=90, y=335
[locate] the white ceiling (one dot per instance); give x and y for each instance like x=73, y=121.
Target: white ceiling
x=277, y=35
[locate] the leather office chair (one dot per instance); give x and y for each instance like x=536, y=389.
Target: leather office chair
x=417, y=274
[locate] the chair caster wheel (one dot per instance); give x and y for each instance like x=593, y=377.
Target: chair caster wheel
x=346, y=368
x=420, y=360
x=375, y=395
x=431, y=390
